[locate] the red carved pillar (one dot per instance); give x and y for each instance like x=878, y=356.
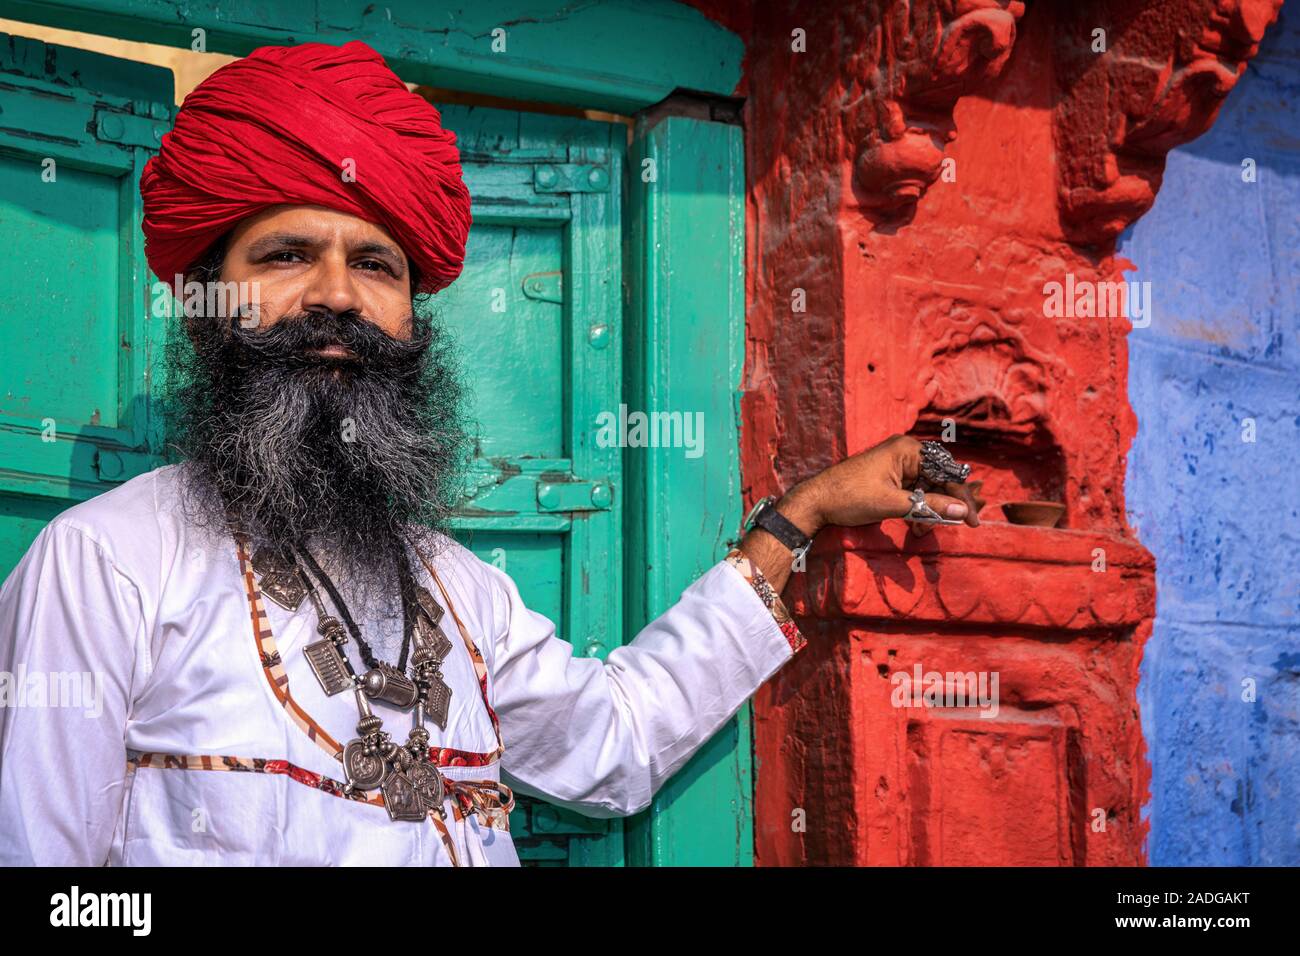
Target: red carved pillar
x=921, y=174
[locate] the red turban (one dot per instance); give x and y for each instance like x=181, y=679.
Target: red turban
x=277, y=127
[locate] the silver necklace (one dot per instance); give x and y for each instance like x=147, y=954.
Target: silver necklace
x=410, y=782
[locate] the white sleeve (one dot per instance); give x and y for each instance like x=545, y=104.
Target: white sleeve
x=602, y=737
x=71, y=646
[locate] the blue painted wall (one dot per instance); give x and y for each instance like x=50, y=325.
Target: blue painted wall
x=1222, y=515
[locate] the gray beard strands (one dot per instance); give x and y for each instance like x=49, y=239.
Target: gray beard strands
x=346, y=457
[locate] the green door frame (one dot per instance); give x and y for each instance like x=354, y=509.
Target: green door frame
x=684, y=342
x=684, y=258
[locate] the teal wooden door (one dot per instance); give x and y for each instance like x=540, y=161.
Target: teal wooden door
x=75, y=131
x=536, y=314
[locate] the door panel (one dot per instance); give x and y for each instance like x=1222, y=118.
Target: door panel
x=72, y=221
x=512, y=344
x=74, y=418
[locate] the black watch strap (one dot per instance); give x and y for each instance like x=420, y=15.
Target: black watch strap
x=764, y=515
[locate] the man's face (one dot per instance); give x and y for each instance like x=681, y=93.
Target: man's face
x=310, y=259
x=334, y=419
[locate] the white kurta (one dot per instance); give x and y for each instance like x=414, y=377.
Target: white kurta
x=125, y=632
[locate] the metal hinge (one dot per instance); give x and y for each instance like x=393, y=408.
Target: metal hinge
x=128, y=129
x=570, y=178
x=574, y=496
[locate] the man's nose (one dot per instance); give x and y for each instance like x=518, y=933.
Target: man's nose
x=331, y=287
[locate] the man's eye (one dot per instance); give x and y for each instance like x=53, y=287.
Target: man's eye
x=372, y=265
x=285, y=255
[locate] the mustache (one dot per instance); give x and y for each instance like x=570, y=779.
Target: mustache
x=289, y=341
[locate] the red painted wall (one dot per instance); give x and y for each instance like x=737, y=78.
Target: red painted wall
x=918, y=174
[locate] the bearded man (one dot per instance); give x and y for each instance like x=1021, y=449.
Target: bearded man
x=298, y=664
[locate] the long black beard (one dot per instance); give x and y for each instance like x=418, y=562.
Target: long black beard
x=349, y=457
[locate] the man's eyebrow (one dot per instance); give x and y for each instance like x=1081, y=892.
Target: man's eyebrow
x=280, y=240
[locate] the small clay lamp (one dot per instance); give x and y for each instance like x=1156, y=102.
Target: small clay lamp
x=1040, y=514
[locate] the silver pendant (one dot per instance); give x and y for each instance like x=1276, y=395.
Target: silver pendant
x=423, y=773
x=364, y=770
x=428, y=605
x=428, y=783
x=430, y=637
x=385, y=682
x=327, y=664
x=437, y=701
x=279, y=580
x=401, y=799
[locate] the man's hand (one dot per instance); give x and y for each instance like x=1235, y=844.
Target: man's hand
x=875, y=484
x=866, y=488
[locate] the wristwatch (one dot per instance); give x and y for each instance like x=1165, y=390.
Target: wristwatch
x=764, y=515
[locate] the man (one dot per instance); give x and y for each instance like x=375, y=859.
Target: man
x=293, y=663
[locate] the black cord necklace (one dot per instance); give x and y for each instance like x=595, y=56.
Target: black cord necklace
x=406, y=586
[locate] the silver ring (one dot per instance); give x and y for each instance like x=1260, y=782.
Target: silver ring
x=938, y=467
x=922, y=512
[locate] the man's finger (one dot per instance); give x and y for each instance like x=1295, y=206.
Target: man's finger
x=908, y=452
x=952, y=508
x=969, y=494
x=946, y=506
